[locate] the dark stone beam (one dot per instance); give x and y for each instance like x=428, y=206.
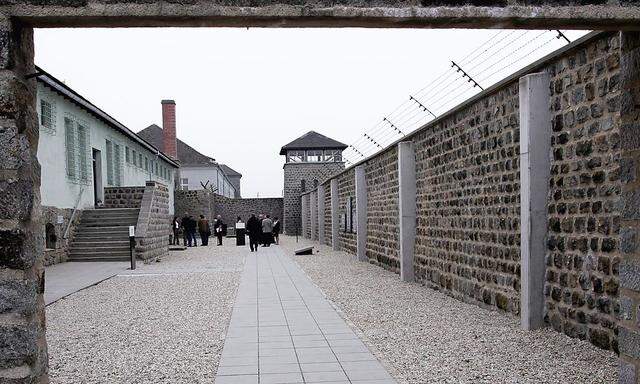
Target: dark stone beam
x=595, y=14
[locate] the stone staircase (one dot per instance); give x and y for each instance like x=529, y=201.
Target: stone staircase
x=103, y=235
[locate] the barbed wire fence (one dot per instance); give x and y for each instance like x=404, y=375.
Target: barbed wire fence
x=503, y=53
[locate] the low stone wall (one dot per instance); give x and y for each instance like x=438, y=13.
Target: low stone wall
x=230, y=208
x=194, y=203
x=123, y=197
x=154, y=222
x=59, y=218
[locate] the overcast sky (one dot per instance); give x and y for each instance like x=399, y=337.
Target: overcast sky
x=243, y=93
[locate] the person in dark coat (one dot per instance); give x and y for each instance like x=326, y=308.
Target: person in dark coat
x=218, y=229
x=276, y=230
x=192, y=225
x=255, y=231
x=204, y=229
x=184, y=224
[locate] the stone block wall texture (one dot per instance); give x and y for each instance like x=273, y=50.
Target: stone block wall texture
x=60, y=253
x=381, y=174
x=200, y=202
x=583, y=258
x=123, y=197
x=294, y=175
x=468, y=202
x=468, y=198
x=154, y=223
x=231, y=208
x=346, y=189
x=306, y=206
x=328, y=235
x=629, y=236
x=23, y=347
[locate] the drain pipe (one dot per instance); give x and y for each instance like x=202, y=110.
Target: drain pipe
x=73, y=214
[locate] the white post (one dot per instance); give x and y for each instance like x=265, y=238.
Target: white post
x=321, y=218
x=407, y=207
x=361, y=213
x=335, y=216
x=535, y=146
x=314, y=214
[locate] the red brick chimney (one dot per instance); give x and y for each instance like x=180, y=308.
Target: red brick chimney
x=169, y=128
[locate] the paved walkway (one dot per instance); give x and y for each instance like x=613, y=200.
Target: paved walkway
x=63, y=279
x=283, y=330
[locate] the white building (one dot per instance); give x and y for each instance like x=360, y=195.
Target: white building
x=82, y=150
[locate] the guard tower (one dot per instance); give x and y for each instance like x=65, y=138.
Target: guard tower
x=310, y=159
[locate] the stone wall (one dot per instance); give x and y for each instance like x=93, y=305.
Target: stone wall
x=467, y=202
x=230, y=208
x=583, y=255
x=123, y=197
x=154, y=223
x=346, y=189
x=381, y=174
x=50, y=215
x=468, y=206
x=294, y=175
x=200, y=202
x=328, y=236
x=629, y=269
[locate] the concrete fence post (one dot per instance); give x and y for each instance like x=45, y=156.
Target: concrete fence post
x=361, y=213
x=321, y=218
x=313, y=205
x=406, y=207
x=335, y=215
x=303, y=216
x=535, y=163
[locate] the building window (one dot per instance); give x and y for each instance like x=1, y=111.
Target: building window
x=315, y=184
x=140, y=160
x=70, y=147
x=50, y=237
x=114, y=163
x=333, y=155
x=303, y=185
x=295, y=156
x=184, y=184
x=157, y=171
x=76, y=149
x=146, y=164
x=47, y=116
x=127, y=155
x=315, y=156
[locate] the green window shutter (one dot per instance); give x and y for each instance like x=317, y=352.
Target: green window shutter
x=109, y=162
x=82, y=153
x=117, y=165
x=70, y=147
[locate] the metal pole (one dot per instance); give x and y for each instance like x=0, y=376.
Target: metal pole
x=132, y=244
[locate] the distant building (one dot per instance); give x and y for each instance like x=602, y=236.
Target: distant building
x=82, y=149
x=197, y=171
x=309, y=160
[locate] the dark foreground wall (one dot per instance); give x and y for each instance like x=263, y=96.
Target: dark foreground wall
x=468, y=199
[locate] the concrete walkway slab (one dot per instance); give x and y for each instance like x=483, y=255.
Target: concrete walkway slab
x=66, y=278
x=283, y=330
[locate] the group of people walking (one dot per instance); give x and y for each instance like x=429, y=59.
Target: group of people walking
x=262, y=230
x=188, y=226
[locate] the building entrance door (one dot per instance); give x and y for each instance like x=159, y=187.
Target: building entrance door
x=97, y=177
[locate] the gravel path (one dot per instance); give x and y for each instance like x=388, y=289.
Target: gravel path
x=425, y=336
x=163, y=323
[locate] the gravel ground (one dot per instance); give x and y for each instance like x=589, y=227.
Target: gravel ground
x=162, y=323
x=424, y=336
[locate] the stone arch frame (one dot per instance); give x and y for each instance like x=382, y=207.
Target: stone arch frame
x=23, y=355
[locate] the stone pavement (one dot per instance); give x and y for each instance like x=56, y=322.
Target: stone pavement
x=283, y=330
x=63, y=279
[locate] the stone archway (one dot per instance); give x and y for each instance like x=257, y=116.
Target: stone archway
x=23, y=352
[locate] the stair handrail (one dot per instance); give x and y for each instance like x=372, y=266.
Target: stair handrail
x=73, y=214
